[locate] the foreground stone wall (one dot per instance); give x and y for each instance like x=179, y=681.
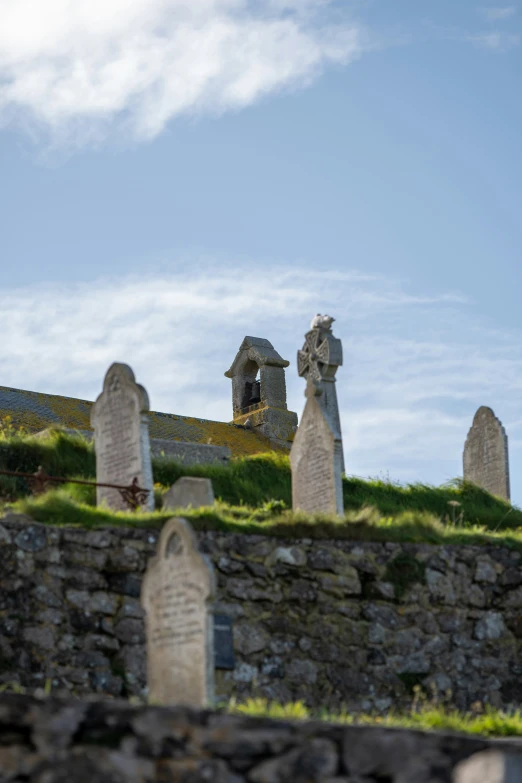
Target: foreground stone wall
x=55, y=740
x=330, y=622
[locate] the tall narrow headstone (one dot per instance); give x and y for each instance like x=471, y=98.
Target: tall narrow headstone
x=121, y=437
x=176, y=592
x=316, y=456
x=485, y=457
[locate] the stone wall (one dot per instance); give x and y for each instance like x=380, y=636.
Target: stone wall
x=180, y=451
x=189, y=453
x=330, y=622
x=55, y=740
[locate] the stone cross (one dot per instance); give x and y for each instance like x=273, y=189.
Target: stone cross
x=177, y=587
x=485, y=458
x=316, y=456
x=121, y=437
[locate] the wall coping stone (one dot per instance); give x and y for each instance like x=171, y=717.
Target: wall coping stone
x=17, y=521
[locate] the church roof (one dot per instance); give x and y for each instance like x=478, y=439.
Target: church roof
x=36, y=411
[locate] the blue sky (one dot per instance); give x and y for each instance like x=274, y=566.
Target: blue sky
x=177, y=175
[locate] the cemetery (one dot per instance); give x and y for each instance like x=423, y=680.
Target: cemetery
x=255, y=571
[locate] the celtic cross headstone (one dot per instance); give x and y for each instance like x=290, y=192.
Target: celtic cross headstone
x=177, y=589
x=316, y=456
x=121, y=437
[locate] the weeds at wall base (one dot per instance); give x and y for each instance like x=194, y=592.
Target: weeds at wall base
x=424, y=714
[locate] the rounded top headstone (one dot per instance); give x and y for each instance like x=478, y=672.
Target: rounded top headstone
x=120, y=374
x=485, y=457
x=482, y=413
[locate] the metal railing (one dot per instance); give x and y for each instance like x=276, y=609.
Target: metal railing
x=255, y=407
x=133, y=495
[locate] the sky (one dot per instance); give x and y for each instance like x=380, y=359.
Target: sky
x=176, y=175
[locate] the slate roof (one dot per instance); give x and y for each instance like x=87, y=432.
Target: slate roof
x=36, y=411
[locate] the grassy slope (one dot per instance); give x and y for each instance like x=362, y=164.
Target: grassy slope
x=57, y=508
x=254, y=492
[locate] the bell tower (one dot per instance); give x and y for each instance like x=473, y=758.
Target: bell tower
x=259, y=391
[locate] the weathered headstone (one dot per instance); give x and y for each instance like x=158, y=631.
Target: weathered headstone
x=177, y=589
x=189, y=491
x=121, y=437
x=485, y=458
x=316, y=456
x=489, y=766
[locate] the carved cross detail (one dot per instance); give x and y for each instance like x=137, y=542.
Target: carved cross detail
x=114, y=384
x=319, y=357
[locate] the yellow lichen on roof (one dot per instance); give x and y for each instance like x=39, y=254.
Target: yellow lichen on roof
x=35, y=411
x=241, y=442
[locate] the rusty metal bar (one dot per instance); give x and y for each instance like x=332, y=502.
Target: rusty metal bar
x=132, y=494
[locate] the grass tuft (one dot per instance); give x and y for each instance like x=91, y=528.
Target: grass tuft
x=56, y=507
x=487, y=721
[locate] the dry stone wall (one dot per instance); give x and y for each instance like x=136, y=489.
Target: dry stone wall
x=56, y=740
x=330, y=622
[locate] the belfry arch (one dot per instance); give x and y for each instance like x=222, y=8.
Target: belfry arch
x=259, y=391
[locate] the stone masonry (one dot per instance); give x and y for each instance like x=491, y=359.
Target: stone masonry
x=179, y=451
x=329, y=622
x=260, y=403
x=56, y=740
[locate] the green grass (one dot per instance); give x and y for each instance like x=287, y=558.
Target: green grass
x=56, y=507
x=253, y=480
x=475, y=505
x=254, y=491
x=423, y=715
x=487, y=722
x=250, y=480
x=60, y=454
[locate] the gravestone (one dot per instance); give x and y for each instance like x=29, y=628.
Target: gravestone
x=189, y=491
x=121, y=437
x=485, y=458
x=489, y=766
x=316, y=456
x=177, y=587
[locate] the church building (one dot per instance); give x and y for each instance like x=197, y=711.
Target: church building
x=261, y=419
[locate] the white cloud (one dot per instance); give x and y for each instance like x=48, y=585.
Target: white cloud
x=416, y=367
x=497, y=13
x=81, y=70
x=495, y=41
